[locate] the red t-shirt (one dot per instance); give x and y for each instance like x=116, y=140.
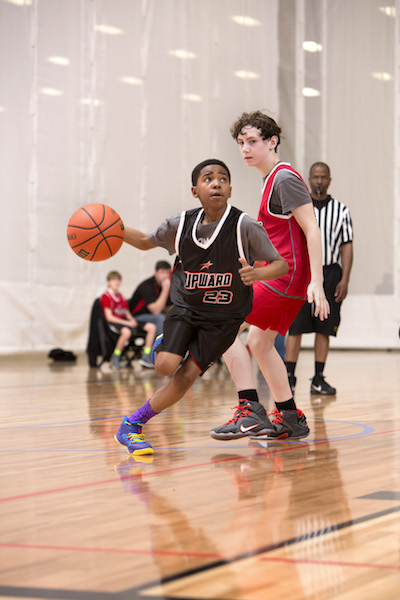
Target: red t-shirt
x=116, y=302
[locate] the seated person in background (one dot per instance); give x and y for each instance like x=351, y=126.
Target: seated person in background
x=150, y=301
x=119, y=319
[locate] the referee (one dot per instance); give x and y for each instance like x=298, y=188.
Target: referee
x=337, y=236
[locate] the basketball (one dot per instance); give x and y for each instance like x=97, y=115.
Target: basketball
x=95, y=232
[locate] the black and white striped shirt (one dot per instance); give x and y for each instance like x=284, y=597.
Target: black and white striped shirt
x=334, y=221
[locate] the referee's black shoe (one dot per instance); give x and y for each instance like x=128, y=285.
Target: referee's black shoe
x=321, y=387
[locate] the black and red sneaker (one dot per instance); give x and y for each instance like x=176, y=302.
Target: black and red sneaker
x=288, y=424
x=250, y=419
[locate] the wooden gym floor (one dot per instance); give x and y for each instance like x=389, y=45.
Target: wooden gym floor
x=314, y=519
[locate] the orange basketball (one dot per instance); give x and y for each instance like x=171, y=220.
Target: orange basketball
x=95, y=232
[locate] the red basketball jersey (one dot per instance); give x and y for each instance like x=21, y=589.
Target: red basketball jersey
x=116, y=302
x=288, y=238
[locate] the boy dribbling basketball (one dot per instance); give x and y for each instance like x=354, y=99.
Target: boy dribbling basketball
x=210, y=291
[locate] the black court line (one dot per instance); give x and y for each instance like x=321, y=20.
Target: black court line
x=134, y=593
x=381, y=496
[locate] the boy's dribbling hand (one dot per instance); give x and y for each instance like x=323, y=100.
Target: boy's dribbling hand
x=247, y=273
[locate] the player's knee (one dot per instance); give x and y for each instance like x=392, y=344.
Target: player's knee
x=125, y=334
x=151, y=328
x=166, y=365
x=186, y=376
x=258, y=343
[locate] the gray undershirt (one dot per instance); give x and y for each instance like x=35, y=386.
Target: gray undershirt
x=255, y=240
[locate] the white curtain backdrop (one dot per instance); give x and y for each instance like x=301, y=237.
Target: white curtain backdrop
x=115, y=101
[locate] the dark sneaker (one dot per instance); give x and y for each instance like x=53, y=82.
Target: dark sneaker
x=115, y=362
x=288, y=424
x=145, y=361
x=292, y=381
x=130, y=435
x=321, y=387
x=250, y=418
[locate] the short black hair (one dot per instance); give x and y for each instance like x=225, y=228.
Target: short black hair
x=320, y=164
x=210, y=161
x=162, y=264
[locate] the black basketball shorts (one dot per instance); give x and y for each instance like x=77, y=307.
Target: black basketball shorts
x=205, y=338
x=305, y=322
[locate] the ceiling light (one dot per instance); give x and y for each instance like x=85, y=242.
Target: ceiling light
x=312, y=46
x=108, y=29
x=192, y=97
x=2, y=109
x=389, y=11
x=246, y=21
x=182, y=53
x=19, y=2
x=311, y=92
x=381, y=76
x=131, y=80
x=92, y=101
x=247, y=75
x=58, y=60
x=51, y=92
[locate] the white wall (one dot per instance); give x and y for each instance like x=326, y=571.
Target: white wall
x=134, y=146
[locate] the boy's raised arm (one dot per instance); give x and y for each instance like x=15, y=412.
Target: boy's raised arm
x=138, y=239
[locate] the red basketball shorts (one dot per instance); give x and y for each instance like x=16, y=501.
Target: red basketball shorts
x=271, y=310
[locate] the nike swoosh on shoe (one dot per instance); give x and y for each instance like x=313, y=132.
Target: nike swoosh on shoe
x=245, y=429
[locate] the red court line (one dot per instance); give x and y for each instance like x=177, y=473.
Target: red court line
x=110, y=550
x=162, y=471
x=175, y=469
x=330, y=563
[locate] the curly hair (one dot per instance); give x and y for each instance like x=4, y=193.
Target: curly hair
x=265, y=124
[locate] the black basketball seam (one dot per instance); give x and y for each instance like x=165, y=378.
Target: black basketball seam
x=98, y=233
x=89, y=215
x=89, y=228
x=109, y=249
x=103, y=240
x=101, y=232
x=120, y=237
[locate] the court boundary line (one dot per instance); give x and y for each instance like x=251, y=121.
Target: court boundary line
x=276, y=546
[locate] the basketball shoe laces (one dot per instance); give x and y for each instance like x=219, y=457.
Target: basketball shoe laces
x=279, y=415
x=136, y=437
x=241, y=412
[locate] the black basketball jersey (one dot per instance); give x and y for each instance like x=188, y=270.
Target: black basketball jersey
x=205, y=277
